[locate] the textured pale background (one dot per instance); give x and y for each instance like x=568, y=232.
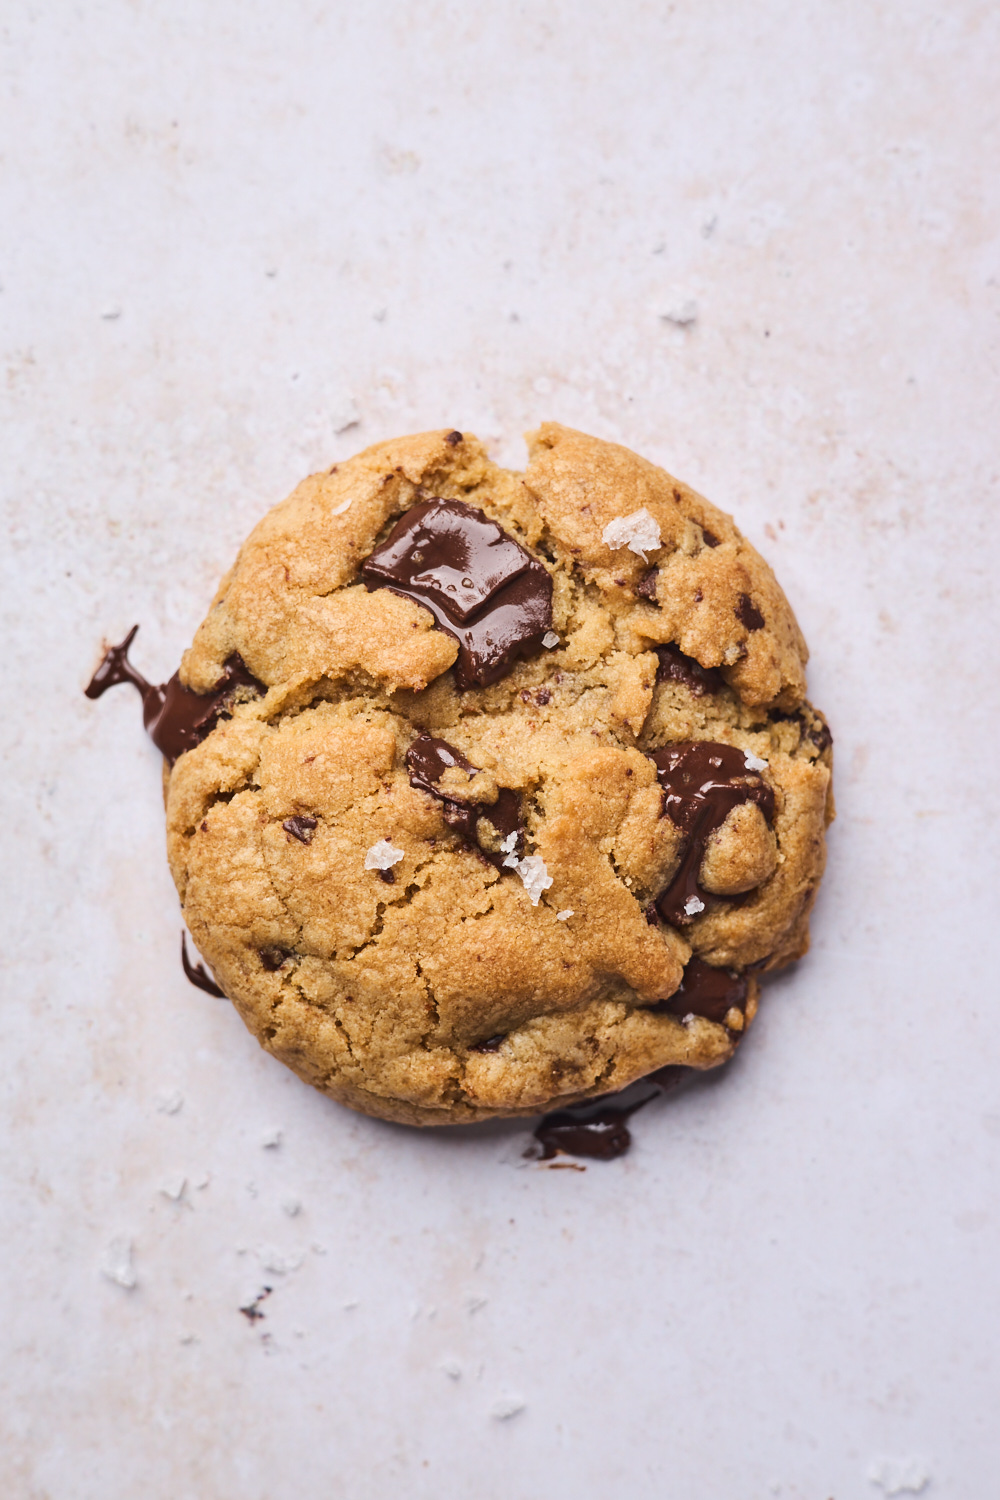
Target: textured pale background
x=221, y=226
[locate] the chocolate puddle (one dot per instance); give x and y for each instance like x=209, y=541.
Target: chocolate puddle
x=598, y=1128
x=703, y=782
x=175, y=718
x=481, y=586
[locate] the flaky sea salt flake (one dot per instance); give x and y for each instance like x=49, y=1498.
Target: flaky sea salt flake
x=564, y=916
x=753, y=762
x=382, y=856
x=535, y=876
x=899, y=1476
x=509, y=844
x=339, y=510
x=693, y=906
x=550, y=639
x=506, y=1407
x=640, y=532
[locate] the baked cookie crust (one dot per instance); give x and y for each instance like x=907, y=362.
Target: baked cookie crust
x=439, y=979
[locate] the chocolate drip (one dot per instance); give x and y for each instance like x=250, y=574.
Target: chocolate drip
x=676, y=667
x=198, y=974
x=300, y=828
x=175, y=718
x=427, y=760
x=748, y=614
x=707, y=992
x=598, y=1128
x=702, y=782
x=480, y=585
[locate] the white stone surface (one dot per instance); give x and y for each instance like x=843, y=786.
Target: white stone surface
x=242, y=241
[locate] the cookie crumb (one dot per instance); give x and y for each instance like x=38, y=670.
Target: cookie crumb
x=550, y=639
x=382, y=856
x=897, y=1476
x=506, y=1407
x=640, y=532
x=564, y=916
x=116, y=1262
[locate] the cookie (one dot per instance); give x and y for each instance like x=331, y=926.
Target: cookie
x=489, y=792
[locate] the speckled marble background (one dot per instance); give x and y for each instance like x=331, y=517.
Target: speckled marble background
x=757, y=242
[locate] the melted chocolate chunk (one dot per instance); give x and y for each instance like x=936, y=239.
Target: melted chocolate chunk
x=705, y=991
x=300, y=828
x=676, y=667
x=175, y=718
x=427, y=760
x=702, y=783
x=598, y=1128
x=198, y=974
x=646, y=586
x=480, y=585
x=748, y=614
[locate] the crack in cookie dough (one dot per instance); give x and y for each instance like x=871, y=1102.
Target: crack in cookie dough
x=341, y=710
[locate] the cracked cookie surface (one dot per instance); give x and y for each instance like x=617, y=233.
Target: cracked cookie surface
x=437, y=935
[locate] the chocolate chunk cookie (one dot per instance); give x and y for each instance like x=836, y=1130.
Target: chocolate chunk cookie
x=488, y=792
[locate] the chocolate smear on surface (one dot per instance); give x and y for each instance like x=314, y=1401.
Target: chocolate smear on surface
x=198, y=974
x=175, y=718
x=748, y=614
x=705, y=991
x=676, y=667
x=480, y=585
x=427, y=760
x=300, y=828
x=598, y=1128
x=702, y=782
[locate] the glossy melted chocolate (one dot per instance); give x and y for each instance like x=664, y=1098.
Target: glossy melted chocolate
x=427, y=759
x=598, y=1128
x=175, y=718
x=707, y=992
x=198, y=974
x=480, y=585
x=702, y=782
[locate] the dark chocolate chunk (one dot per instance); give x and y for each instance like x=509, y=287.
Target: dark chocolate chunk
x=491, y=1044
x=711, y=540
x=598, y=1128
x=705, y=991
x=300, y=828
x=748, y=614
x=175, y=718
x=198, y=974
x=702, y=783
x=272, y=959
x=389, y=876
x=817, y=732
x=453, y=439
x=676, y=667
x=647, y=585
x=821, y=734
x=480, y=585
x=427, y=759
